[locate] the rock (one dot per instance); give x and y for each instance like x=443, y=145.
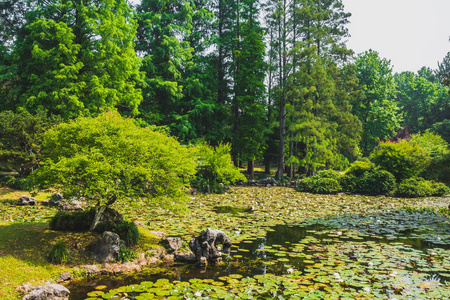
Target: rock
x=268, y=182
x=251, y=183
x=106, y=248
x=48, y=292
x=169, y=258
x=65, y=276
x=73, y=205
x=172, y=243
x=91, y=269
x=45, y=203
x=109, y=218
x=138, y=224
x=27, y=200
x=185, y=257
x=204, y=246
x=159, y=234
x=239, y=182
x=56, y=198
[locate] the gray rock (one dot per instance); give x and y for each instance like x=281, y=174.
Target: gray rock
x=204, y=246
x=106, y=248
x=65, y=276
x=27, y=200
x=159, y=234
x=73, y=205
x=45, y=203
x=268, y=182
x=56, y=198
x=48, y=292
x=185, y=257
x=172, y=243
x=91, y=269
x=138, y=224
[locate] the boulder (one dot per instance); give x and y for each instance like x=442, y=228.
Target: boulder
x=55, y=199
x=185, y=257
x=205, y=245
x=109, y=218
x=48, y=292
x=268, y=182
x=91, y=269
x=172, y=243
x=106, y=248
x=27, y=200
x=73, y=205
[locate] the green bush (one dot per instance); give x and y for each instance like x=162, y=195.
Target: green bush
x=215, y=169
x=16, y=182
x=127, y=232
x=349, y=183
x=59, y=253
x=318, y=185
x=374, y=182
x=329, y=174
x=403, y=160
x=126, y=254
x=359, y=167
x=419, y=187
x=439, y=169
x=72, y=221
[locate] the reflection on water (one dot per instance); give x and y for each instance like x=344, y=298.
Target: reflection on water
x=284, y=247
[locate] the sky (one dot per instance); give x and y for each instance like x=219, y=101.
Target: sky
x=410, y=33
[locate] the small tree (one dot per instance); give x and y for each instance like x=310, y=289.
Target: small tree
x=21, y=138
x=110, y=157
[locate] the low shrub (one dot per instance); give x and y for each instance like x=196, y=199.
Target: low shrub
x=359, y=167
x=419, y=187
x=126, y=254
x=329, y=174
x=319, y=185
x=59, y=253
x=128, y=232
x=215, y=169
x=17, y=183
x=373, y=182
x=72, y=221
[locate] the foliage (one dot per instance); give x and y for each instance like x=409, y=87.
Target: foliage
x=75, y=58
x=109, y=157
x=403, y=160
x=377, y=108
x=16, y=182
x=215, y=169
x=59, y=253
x=126, y=254
x=21, y=137
x=439, y=169
x=419, y=187
x=72, y=221
x=372, y=182
x=319, y=185
x=359, y=167
x=128, y=232
x=328, y=173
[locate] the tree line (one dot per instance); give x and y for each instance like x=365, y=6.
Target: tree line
x=274, y=79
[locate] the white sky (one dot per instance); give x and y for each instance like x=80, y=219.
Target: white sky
x=410, y=33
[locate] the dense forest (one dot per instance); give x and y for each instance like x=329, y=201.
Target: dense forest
x=274, y=79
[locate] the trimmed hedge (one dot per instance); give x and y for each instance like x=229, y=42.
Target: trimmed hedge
x=319, y=185
x=374, y=182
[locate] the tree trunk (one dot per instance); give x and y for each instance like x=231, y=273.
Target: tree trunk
x=98, y=214
x=267, y=165
x=251, y=169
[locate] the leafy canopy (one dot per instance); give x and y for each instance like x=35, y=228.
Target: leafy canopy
x=110, y=157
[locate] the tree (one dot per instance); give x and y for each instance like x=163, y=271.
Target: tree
x=376, y=109
x=77, y=58
x=21, y=137
x=110, y=157
x=443, y=71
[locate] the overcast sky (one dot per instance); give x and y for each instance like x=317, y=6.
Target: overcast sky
x=411, y=33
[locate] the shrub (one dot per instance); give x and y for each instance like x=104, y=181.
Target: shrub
x=359, y=167
x=126, y=254
x=16, y=182
x=127, y=232
x=215, y=169
x=329, y=174
x=440, y=189
x=319, y=185
x=72, y=221
x=109, y=157
x=403, y=159
x=415, y=187
x=439, y=169
x=374, y=182
x=59, y=253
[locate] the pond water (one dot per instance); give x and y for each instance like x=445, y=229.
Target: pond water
x=335, y=257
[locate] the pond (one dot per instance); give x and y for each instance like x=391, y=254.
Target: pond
x=394, y=254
